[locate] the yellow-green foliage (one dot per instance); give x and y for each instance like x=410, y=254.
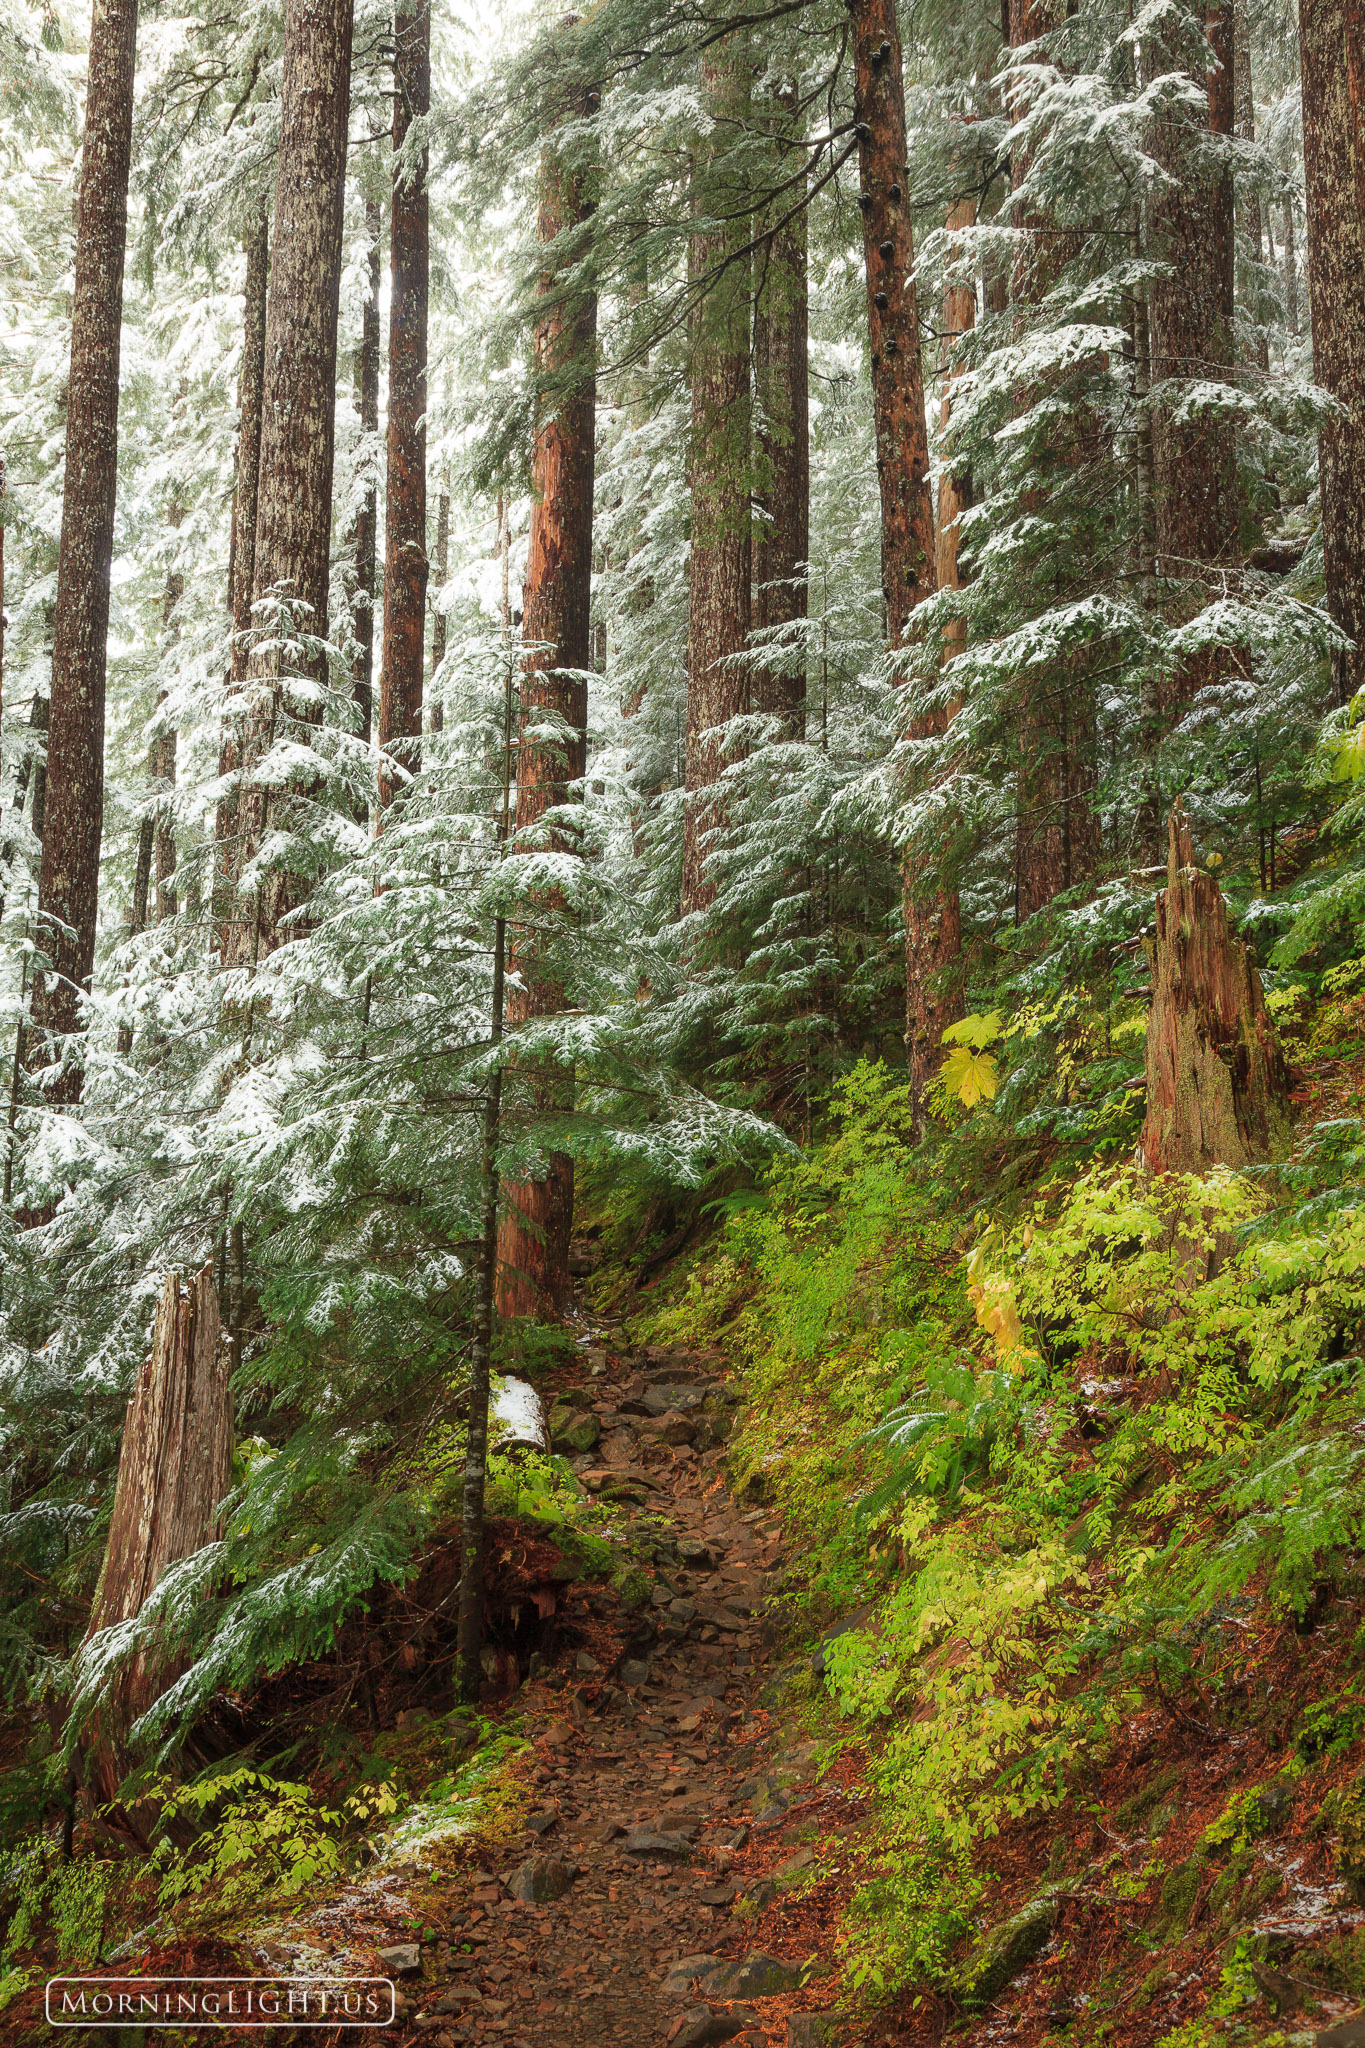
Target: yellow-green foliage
x=1048, y=1443
x=72, y=1899
x=257, y=1836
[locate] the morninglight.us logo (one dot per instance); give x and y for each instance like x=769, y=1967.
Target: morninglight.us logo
x=220, y=2001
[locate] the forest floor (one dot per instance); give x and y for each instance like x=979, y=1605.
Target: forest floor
x=671, y=1812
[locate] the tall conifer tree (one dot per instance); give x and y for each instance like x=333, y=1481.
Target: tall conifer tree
x=298, y=432
x=533, y=1238
x=1332, y=47
x=68, y=887
x=405, y=496
x=721, y=558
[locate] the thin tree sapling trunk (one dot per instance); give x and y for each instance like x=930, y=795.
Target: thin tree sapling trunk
x=438, y=615
x=405, y=496
x=241, y=553
x=68, y=883
x=469, y=1632
x=367, y=518
x=533, y=1248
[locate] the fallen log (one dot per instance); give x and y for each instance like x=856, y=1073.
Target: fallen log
x=175, y=1467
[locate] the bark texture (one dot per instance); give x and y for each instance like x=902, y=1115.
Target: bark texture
x=1249, y=203
x=1332, y=47
x=1191, y=323
x=1217, y=1085
x=533, y=1238
x=367, y=518
x=405, y=497
x=175, y=1467
x=1057, y=836
x=721, y=556
x=892, y=316
x=68, y=884
x=294, y=499
x=781, y=539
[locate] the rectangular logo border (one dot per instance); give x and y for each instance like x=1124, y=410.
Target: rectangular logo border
x=237, y=2019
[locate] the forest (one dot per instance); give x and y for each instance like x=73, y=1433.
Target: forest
x=682, y=1023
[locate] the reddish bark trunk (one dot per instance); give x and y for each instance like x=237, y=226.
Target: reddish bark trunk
x=175, y=1467
x=721, y=556
x=892, y=316
x=1217, y=1085
x=367, y=518
x=781, y=540
x=1249, y=205
x=405, y=497
x=1332, y=48
x=1057, y=835
x=294, y=500
x=933, y=918
x=68, y=884
x=933, y=932
x=533, y=1236
x=1191, y=324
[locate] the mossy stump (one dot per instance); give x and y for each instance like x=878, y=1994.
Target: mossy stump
x=1217, y=1084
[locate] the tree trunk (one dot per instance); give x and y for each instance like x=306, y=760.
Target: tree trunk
x=294, y=500
x=1291, y=272
x=1217, y=1085
x=721, y=556
x=161, y=759
x=1332, y=47
x=438, y=615
x=892, y=317
x=367, y=518
x=1057, y=834
x=175, y=1467
x=933, y=929
x=469, y=1627
x=533, y=1244
x=405, y=497
x=1249, y=206
x=781, y=540
x=241, y=552
x=1191, y=320
x=68, y=885
x=250, y=387
x=933, y=918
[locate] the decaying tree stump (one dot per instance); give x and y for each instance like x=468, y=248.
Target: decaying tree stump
x=175, y=1466
x=1217, y=1084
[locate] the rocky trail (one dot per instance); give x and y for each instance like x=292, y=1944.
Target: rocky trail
x=668, y=1823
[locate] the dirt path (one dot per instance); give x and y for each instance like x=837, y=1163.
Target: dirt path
x=659, y=1804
